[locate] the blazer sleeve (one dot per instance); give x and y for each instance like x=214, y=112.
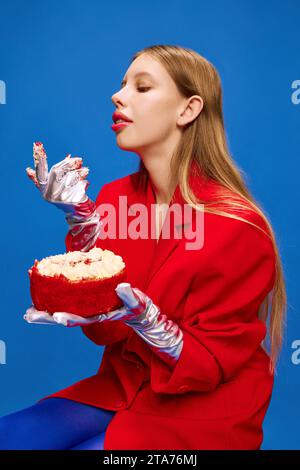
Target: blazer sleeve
x=108, y=332
x=221, y=329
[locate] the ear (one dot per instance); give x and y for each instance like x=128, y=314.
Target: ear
x=192, y=108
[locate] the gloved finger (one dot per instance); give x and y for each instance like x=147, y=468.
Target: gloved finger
x=67, y=164
x=31, y=173
x=118, y=314
x=62, y=162
x=132, y=298
x=33, y=315
x=70, y=319
x=74, y=176
x=40, y=163
x=61, y=170
x=71, y=178
x=83, y=172
x=125, y=292
x=42, y=172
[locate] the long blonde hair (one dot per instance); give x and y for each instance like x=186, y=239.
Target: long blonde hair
x=204, y=142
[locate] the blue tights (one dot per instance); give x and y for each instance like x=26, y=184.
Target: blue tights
x=57, y=424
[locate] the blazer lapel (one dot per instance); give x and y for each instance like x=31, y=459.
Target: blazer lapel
x=168, y=242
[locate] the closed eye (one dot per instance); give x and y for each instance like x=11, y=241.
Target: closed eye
x=143, y=88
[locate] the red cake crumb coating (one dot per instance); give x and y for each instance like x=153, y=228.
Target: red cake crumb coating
x=84, y=297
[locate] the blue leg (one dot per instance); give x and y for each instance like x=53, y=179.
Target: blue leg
x=53, y=423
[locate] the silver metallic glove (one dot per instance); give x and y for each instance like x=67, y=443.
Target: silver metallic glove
x=42, y=317
x=163, y=336
x=65, y=187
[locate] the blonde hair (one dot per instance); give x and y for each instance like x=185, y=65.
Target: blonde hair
x=204, y=142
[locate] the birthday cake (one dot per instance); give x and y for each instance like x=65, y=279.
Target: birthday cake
x=77, y=282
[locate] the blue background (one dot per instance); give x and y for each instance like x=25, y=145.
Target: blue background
x=61, y=62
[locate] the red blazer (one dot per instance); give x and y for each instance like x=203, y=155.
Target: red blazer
x=218, y=393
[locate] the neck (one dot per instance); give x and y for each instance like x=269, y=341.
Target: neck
x=158, y=170
x=160, y=179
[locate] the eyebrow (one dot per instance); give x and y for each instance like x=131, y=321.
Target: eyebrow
x=138, y=75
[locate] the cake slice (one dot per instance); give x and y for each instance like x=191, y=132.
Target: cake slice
x=77, y=282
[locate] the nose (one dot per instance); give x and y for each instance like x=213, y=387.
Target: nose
x=115, y=99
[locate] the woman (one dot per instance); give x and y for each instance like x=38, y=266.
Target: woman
x=185, y=364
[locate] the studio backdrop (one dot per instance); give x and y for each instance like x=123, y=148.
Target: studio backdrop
x=60, y=63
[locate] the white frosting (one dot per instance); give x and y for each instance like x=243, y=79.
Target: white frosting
x=104, y=263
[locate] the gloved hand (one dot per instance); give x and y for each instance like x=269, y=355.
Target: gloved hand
x=65, y=187
x=163, y=336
